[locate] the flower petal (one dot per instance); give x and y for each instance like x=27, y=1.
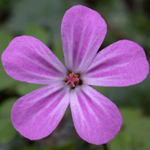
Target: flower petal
x=83, y=30
x=38, y=113
x=123, y=63
x=97, y=120
x=28, y=59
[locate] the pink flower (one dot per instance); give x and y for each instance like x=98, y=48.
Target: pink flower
x=96, y=119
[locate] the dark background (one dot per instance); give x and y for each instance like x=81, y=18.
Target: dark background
x=126, y=19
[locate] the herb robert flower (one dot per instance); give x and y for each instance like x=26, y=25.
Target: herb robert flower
x=96, y=119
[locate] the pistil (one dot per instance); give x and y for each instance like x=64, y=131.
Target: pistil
x=72, y=79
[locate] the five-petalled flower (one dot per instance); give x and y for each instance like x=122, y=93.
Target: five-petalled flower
x=96, y=119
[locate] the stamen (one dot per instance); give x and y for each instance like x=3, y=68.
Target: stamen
x=72, y=79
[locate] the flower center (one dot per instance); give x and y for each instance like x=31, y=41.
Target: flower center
x=72, y=79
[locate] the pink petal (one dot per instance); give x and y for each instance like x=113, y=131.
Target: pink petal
x=97, y=120
x=28, y=59
x=83, y=30
x=123, y=63
x=38, y=113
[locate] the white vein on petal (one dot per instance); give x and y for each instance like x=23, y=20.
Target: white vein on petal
x=47, y=58
x=79, y=49
x=52, y=90
x=68, y=49
x=87, y=54
x=94, y=96
x=41, y=66
x=56, y=109
x=90, y=110
x=103, y=70
x=75, y=103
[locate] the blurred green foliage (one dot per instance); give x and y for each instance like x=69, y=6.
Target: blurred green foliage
x=7, y=131
x=37, y=32
x=126, y=19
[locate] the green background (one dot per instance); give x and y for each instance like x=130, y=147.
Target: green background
x=126, y=19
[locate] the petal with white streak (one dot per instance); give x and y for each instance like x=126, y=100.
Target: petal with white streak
x=38, y=113
x=28, y=59
x=83, y=31
x=97, y=120
x=122, y=63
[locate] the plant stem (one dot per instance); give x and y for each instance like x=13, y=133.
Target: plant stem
x=105, y=147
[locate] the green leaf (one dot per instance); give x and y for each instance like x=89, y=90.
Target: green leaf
x=25, y=88
x=139, y=132
x=120, y=142
x=5, y=107
x=5, y=80
x=69, y=146
x=38, y=32
x=46, y=12
x=135, y=132
x=5, y=38
x=102, y=90
x=33, y=148
x=7, y=131
x=130, y=115
x=58, y=50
